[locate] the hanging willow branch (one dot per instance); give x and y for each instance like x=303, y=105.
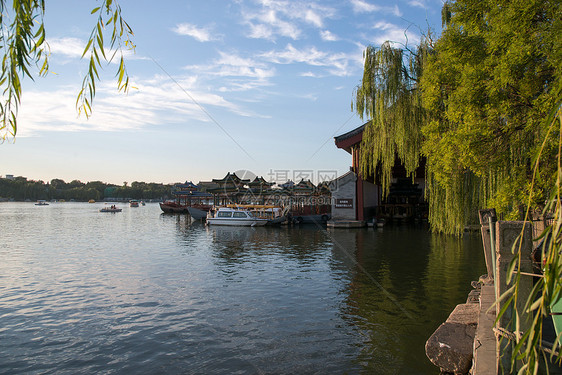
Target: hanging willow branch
x=22, y=42
x=529, y=348
x=389, y=96
x=120, y=38
x=23, y=48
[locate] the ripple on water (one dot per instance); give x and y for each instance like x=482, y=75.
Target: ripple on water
x=142, y=292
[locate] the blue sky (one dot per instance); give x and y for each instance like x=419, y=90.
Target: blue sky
x=219, y=86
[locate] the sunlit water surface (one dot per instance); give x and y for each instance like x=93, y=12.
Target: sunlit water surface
x=143, y=292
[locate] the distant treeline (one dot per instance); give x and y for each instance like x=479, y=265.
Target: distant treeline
x=20, y=189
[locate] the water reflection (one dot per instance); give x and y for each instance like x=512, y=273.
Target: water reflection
x=390, y=288
x=144, y=292
x=404, y=284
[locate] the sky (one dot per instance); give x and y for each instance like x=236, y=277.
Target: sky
x=217, y=86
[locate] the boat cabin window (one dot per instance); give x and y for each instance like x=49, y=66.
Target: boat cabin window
x=224, y=214
x=240, y=215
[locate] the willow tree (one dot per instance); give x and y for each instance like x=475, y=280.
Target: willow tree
x=24, y=52
x=389, y=96
x=489, y=85
x=472, y=104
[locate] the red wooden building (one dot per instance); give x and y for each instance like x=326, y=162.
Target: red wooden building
x=405, y=200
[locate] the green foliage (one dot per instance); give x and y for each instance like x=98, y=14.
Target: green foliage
x=529, y=349
x=22, y=43
x=389, y=96
x=23, y=47
x=487, y=89
x=473, y=104
x=109, y=14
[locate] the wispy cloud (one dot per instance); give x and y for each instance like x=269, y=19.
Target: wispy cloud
x=390, y=32
x=267, y=25
x=309, y=74
x=71, y=49
x=281, y=18
x=328, y=36
x=314, y=18
x=154, y=102
x=335, y=63
x=235, y=73
x=417, y=3
x=201, y=34
x=362, y=6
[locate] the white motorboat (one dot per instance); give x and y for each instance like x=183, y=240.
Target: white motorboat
x=274, y=214
x=235, y=217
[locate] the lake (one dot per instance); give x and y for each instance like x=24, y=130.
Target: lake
x=139, y=291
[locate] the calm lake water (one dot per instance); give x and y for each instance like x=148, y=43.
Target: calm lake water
x=85, y=292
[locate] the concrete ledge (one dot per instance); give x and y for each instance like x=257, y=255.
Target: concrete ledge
x=485, y=340
x=345, y=224
x=466, y=313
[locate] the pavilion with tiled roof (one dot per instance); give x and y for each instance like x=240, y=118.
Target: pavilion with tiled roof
x=230, y=189
x=368, y=192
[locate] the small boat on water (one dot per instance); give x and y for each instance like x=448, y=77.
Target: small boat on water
x=235, y=217
x=198, y=212
x=133, y=203
x=274, y=214
x=41, y=202
x=91, y=201
x=111, y=208
x=188, y=195
x=172, y=207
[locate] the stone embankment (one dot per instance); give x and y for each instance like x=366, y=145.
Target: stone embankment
x=470, y=340
x=454, y=344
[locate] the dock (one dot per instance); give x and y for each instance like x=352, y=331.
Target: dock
x=346, y=223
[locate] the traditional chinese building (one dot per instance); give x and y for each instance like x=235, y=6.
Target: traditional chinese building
x=358, y=197
x=259, y=186
x=188, y=194
x=230, y=189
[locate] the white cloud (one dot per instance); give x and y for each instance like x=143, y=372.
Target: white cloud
x=70, y=47
x=336, y=64
x=281, y=18
x=309, y=74
x=234, y=65
x=393, y=33
x=314, y=18
x=326, y=35
x=236, y=73
x=199, y=34
x=382, y=25
x=362, y=6
x=417, y=3
x=155, y=101
x=266, y=25
x=260, y=31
